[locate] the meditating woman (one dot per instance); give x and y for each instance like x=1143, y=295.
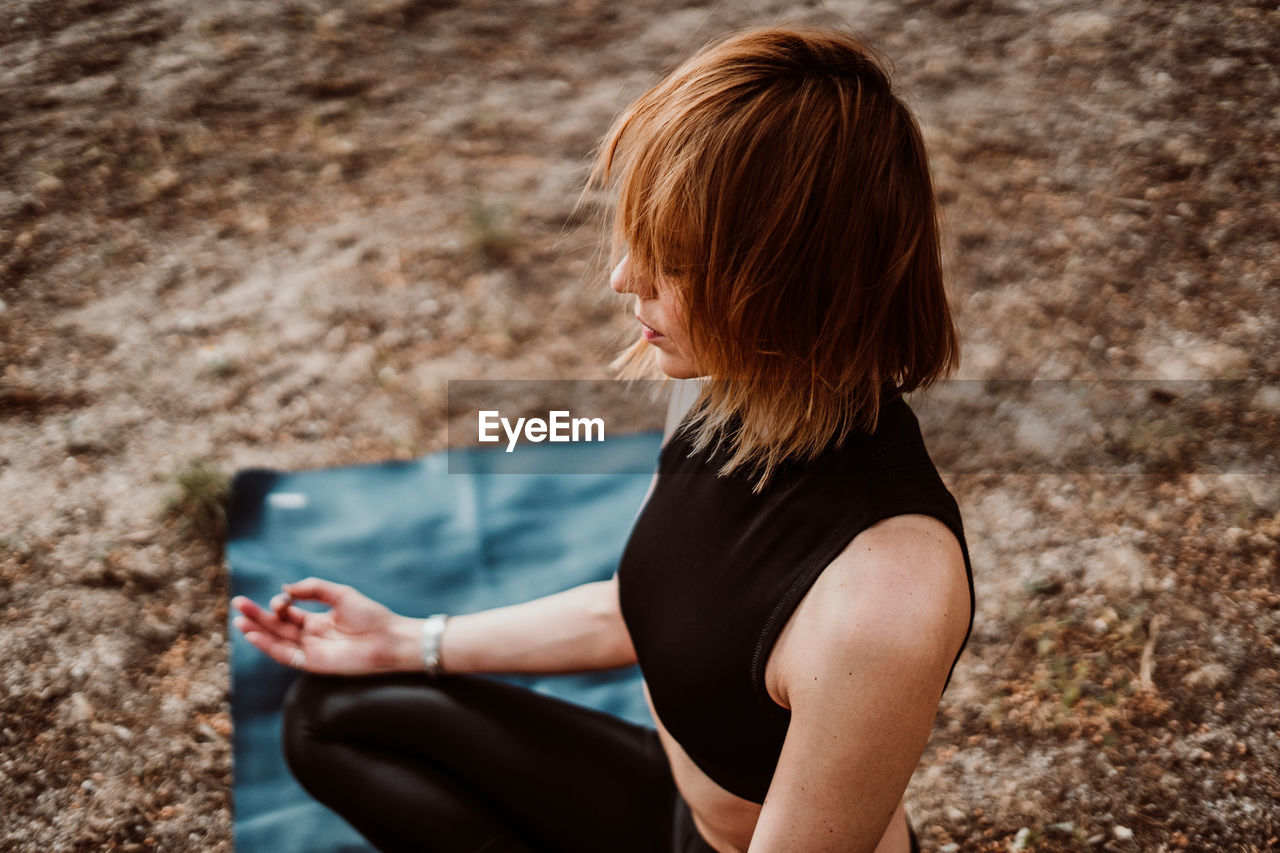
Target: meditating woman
x=796, y=587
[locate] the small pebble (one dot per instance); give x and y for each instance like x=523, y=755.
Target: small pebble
x=1122, y=833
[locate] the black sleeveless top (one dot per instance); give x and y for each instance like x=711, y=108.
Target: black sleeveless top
x=712, y=572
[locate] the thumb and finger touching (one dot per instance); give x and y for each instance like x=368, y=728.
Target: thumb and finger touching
x=316, y=589
x=254, y=617
x=330, y=641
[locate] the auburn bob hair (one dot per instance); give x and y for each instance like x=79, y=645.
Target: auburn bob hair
x=781, y=190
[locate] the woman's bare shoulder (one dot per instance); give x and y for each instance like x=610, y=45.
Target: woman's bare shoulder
x=899, y=588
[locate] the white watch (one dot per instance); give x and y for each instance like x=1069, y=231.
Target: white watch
x=432, y=630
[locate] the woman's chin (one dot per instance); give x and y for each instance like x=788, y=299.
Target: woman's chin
x=672, y=365
x=678, y=370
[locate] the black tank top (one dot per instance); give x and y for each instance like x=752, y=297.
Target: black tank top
x=712, y=572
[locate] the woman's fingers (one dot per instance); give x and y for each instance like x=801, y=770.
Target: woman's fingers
x=282, y=606
x=315, y=589
x=280, y=651
x=268, y=621
x=252, y=610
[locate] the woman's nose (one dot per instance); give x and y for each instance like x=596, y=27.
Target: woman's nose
x=623, y=279
x=618, y=280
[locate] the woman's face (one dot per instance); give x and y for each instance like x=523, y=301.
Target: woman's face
x=661, y=321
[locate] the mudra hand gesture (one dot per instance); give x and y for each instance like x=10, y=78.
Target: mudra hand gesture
x=356, y=636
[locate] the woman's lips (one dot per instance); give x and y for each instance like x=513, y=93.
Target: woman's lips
x=650, y=334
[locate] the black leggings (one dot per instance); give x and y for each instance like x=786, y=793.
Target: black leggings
x=464, y=764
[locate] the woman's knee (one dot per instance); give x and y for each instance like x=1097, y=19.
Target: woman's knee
x=320, y=709
x=310, y=717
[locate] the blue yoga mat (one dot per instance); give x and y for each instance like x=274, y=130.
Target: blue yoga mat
x=421, y=540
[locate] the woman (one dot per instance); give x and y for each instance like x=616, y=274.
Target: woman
x=796, y=588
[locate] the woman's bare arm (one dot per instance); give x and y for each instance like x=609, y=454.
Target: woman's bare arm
x=862, y=673
x=571, y=631
x=578, y=629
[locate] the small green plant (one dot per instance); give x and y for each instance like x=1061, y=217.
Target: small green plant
x=198, y=500
x=1070, y=677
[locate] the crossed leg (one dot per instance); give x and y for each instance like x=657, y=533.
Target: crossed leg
x=465, y=764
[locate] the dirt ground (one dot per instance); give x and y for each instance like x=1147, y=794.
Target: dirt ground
x=265, y=233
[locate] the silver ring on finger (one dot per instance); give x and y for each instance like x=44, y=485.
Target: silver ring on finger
x=299, y=660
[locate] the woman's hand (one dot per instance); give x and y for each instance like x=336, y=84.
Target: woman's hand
x=356, y=636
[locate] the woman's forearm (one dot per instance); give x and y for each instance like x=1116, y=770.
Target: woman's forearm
x=578, y=629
